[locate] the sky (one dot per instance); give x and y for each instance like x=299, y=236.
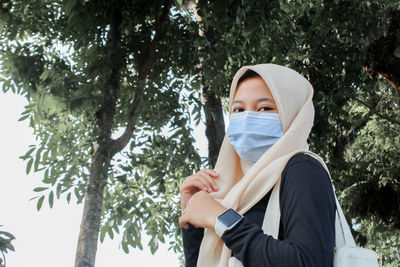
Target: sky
x=48, y=238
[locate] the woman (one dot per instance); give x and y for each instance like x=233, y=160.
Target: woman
x=264, y=172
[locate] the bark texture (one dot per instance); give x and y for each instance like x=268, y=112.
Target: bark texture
x=93, y=205
x=215, y=125
x=106, y=146
x=92, y=210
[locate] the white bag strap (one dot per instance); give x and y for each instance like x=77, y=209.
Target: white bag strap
x=342, y=229
x=343, y=234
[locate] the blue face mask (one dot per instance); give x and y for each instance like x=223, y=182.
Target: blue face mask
x=253, y=133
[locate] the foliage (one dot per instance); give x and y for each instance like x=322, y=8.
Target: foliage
x=55, y=53
x=5, y=241
x=357, y=120
x=386, y=241
x=5, y=244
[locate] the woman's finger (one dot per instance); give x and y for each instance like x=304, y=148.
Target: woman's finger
x=194, y=182
x=201, y=185
x=182, y=222
x=202, y=180
x=206, y=180
x=210, y=182
x=212, y=173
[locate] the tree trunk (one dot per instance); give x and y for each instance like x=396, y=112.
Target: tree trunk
x=215, y=126
x=107, y=147
x=93, y=206
x=92, y=210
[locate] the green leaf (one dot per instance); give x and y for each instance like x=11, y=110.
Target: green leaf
x=11, y=247
x=125, y=247
x=77, y=193
x=69, y=197
x=10, y=236
x=103, y=232
x=58, y=191
x=28, y=153
x=53, y=152
x=32, y=198
x=40, y=189
x=6, y=85
x=46, y=174
x=37, y=160
x=24, y=117
x=110, y=232
x=51, y=199
x=45, y=156
x=153, y=245
x=29, y=166
x=45, y=75
x=39, y=203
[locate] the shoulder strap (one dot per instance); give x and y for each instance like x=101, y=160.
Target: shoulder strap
x=270, y=225
x=343, y=234
x=342, y=229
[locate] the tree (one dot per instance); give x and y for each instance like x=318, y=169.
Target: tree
x=214, y=119
x=357, y=120
x=62, y=56
x=90, y=69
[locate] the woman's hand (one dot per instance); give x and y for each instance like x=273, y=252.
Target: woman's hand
x=203, y=180
x=201, y=211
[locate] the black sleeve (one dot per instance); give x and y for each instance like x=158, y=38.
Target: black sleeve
x=192, y=238
x=307, y=228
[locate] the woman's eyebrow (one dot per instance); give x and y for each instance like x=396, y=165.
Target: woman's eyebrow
x=264, y=99
x=258, y=100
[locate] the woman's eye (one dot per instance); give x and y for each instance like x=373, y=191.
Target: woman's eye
x=238, y=110
x=265, y=109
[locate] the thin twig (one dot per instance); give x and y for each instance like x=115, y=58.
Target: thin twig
x=144, y=70
x=382, y=116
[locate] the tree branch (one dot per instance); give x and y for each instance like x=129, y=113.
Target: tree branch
x=105, y=114
x=144, y=70
x=123, y=140
x=382, y=116
x=160, y=21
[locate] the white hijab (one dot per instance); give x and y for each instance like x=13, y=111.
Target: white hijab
x=241, y=191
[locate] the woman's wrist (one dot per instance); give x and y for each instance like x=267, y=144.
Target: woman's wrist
x=217, y=211
x=201, y=211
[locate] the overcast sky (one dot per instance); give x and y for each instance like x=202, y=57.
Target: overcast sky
x=48, y=238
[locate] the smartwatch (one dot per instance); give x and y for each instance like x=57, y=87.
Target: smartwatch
x=227, y=221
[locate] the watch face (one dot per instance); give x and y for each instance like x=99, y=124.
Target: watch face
x=229, y=217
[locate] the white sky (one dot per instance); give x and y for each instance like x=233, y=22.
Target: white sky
x=48, y=238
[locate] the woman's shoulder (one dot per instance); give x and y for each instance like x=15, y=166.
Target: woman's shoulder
x=302, y=169
x=303, y=159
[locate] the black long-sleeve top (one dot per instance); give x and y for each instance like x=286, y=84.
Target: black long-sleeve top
x=307, y=226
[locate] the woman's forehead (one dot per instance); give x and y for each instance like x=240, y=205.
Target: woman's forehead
x=253, y=88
